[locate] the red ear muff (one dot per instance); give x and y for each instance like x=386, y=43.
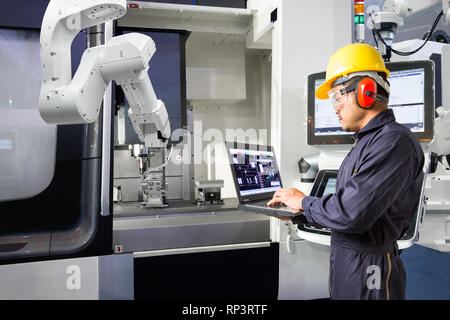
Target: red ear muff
x=366, y=92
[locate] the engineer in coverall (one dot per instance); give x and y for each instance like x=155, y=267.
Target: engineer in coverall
x=378, y=185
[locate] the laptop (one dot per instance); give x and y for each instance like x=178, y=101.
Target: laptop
x=256, y=178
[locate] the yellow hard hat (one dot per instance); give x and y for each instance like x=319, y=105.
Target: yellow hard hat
x=351, y=58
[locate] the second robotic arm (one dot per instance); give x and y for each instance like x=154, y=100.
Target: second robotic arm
x=392, y=16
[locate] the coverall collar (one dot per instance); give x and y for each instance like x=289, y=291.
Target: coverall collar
x=379, y=120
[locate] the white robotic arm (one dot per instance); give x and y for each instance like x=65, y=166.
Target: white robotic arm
x=63, y=20
x=386, y=21
x=123, y=59
x=392, y=15
x=404, y=8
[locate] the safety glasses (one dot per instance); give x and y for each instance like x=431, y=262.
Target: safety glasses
x=338, y=95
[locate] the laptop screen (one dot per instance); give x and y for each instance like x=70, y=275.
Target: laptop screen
x=256, y=171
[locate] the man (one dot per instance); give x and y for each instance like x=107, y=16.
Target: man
x=378, y=184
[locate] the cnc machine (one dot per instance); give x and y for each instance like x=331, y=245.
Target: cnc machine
x=123, y=160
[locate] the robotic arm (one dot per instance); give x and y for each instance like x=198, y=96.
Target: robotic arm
x=62, y=22
x=387, y=21
x=392, y=16
x=385, y=26
x=124, y=59
x=405, y=8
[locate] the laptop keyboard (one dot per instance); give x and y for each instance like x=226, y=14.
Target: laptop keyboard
x=264, y=204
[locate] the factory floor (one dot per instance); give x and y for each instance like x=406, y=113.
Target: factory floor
x=427, y=262
x=427, y=273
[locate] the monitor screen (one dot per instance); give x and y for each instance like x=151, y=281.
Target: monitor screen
x=324, y=183
x=407, y=104
x=326, y=122
x=330, y=186
x=255, y=171
x=411, y=99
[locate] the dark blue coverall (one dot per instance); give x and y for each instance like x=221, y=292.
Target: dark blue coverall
x=377, y=192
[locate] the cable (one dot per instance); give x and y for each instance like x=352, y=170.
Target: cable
x=161, y=166
x=400, y=53
x=374, y=37
x=373, y=31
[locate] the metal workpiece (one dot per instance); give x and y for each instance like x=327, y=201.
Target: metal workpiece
x=195, y=226
x=153, y=191
x=153, y=186
x=209, y=191
x=132, y=177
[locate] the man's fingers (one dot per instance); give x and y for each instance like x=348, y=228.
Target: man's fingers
x=272, y=202
x=278, y=192
x=277, y=197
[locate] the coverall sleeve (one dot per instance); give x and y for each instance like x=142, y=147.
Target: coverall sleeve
x=386, y=167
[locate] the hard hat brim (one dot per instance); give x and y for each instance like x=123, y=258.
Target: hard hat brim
x=322, y=90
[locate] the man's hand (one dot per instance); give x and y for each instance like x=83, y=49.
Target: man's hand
x=290, y=197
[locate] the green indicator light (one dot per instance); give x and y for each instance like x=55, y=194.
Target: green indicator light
x=359, y=19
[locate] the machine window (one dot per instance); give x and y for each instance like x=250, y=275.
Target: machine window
x=27, y=143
